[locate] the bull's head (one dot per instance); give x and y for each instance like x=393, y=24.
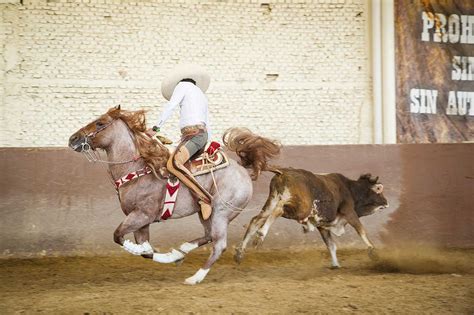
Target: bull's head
x=369, y=195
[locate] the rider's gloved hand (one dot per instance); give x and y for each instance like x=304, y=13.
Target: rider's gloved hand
x=151, y=132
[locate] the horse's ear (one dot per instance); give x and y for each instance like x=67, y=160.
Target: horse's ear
x=117, y=107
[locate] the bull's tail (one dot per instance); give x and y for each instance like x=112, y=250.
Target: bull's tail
x=254, y=150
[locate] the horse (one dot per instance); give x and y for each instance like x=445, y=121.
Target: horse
x=121, y=134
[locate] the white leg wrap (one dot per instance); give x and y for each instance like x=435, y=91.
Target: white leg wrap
x=198, y=277
x=187, y=247
x=137, y=249
x=167, y=258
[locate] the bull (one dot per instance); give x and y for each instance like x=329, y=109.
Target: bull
x=325, y=202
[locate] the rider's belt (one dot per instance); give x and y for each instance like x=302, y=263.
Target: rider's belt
x=193, y=129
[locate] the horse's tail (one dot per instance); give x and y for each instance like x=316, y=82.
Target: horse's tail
x=254, y=150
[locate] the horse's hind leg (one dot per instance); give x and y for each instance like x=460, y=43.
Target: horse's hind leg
x=178, y=255
x=219, y=238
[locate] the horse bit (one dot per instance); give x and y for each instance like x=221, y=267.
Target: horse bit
x=90, y=154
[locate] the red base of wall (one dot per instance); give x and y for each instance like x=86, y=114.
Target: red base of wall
x=54, y=201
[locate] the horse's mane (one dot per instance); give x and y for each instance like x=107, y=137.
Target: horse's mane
x=154, y=153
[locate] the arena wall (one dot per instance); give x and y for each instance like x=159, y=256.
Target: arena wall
x=53, y=202
x=294, y=70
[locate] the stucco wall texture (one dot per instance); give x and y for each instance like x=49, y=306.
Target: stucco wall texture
x=293, y=70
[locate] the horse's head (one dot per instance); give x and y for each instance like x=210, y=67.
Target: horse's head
x=95, y=135
x=113, y=127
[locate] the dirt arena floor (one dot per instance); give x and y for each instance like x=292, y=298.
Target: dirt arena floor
x=277, y=281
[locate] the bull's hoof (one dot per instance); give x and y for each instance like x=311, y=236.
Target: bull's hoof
x=373, y=255
x=257, y=242
x=335, y=267
x=179, y=262
x=238, y=256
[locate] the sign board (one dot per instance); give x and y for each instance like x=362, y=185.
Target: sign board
x=434, y=42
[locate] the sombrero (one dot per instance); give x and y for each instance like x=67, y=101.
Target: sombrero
x=185, y=71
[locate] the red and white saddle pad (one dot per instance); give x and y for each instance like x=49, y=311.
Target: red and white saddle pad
x=170, y=198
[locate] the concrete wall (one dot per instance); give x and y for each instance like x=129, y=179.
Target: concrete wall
x=52, y=201
x=276, y=65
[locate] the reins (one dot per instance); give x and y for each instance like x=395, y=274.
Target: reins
x=93, y=156
x=227, y=204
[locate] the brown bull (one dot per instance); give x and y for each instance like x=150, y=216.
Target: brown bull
x=326, y=202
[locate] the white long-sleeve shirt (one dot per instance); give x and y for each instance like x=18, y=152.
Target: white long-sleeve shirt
x=193, y=106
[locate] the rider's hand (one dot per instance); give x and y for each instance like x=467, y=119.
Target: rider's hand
x=150, y=132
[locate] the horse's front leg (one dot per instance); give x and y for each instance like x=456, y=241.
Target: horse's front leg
x=143, y=236
x=133, y=223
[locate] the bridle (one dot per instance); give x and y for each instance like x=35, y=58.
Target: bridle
x=91, y=155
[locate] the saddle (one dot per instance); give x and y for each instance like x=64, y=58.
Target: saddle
x=211, y=158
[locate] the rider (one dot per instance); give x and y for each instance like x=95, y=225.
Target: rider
x=185, y=86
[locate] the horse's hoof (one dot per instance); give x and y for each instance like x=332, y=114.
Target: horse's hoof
x=190, y=282
x=168, y=258
x=147, y=256
x=197, y=278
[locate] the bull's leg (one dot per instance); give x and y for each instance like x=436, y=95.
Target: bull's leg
x=354, y=221
x=255, y=224
x=263, y=231
x=331, y=245
x=219, y=238
x=132, y=223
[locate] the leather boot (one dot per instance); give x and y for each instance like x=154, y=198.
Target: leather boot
x=206, y=209
x=180, y=157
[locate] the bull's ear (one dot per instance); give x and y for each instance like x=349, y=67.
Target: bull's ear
x=117, y=107
x=378, y=188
